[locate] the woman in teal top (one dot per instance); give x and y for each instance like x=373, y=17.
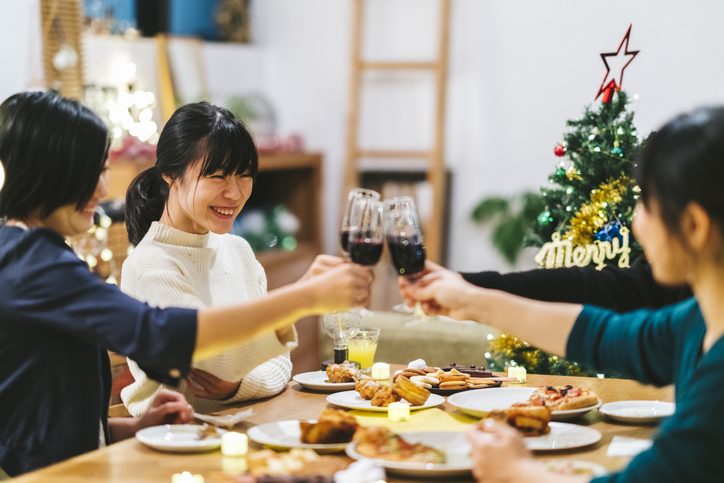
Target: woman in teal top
x=680, y=224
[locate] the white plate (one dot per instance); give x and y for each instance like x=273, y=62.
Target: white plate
x=352, y=400
x=286, y=434
x=563, y=436
x=569, y=467
x=479, y=403
x=453, y=443
x=317, y=380
x=638, y=411
x=573, y=413
x=177, y=438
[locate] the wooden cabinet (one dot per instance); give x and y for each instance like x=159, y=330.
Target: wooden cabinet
x=294, y=180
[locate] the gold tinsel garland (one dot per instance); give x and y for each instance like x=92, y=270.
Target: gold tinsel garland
x=592, y=216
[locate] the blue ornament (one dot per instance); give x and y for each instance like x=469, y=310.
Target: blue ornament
x=609, y=232
x=617, y=150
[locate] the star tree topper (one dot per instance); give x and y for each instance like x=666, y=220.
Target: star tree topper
x=609, y=83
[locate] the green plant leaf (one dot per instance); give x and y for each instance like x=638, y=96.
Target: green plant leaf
x=489, y=208
x=508, y=237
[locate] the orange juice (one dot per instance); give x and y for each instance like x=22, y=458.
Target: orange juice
x=363, y=351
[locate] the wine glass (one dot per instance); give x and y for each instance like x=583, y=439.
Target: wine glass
x=366, y=232
x=341, y=326
x=406, y=244
x=354, y=195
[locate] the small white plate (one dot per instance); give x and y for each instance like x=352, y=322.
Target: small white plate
x=563, y=436
x=453, y=443
x=352, y=400
x=286, y=434
x=317, y=381
x=573, y=413
x=639, y=412
x=479, y=402
x=178, y=438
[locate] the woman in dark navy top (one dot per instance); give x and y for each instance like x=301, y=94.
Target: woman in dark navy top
x=680, y=224
x=57, y=320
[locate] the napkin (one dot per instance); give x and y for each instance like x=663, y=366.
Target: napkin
x=225, y=421
x=622, y=446
x=362, y=471
x=432, y=419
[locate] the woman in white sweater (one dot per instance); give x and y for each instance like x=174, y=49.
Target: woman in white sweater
x=178, y=214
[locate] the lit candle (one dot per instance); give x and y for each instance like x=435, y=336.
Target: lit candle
x=234, y=444
x=186, y=477
x=518, y=372
x=398, y=412
x=380, y=371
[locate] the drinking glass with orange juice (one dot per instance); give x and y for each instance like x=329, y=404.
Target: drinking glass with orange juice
x=362, y=347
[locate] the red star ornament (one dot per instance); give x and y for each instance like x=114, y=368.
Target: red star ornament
x=609, y=84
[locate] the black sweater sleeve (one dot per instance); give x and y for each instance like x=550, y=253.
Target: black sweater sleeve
x=619, y=289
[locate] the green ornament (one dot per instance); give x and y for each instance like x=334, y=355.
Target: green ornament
x=545, y=218
x=617, y=150
x=560, y=173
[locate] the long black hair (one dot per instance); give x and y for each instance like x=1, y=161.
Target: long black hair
x=53, y=151
x=684, y=162
x=195, y=132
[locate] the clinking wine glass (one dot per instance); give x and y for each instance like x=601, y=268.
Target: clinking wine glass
x=340, y=326
x=366, y=232
x=406, y=244
x=354, y=196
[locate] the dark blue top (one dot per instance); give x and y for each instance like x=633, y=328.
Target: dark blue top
x=663, y=347
x=57, y=321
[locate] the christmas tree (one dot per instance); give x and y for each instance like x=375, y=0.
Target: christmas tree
x=589, y=204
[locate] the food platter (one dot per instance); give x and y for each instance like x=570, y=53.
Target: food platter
x=317, y=381
x=352, y=400
x=286, y=434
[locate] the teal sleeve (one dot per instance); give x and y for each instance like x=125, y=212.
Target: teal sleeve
x=640, y=345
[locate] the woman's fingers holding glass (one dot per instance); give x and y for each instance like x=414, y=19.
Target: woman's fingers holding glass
x=321, y=264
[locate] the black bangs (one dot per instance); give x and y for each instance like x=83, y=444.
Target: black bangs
x=229, y=150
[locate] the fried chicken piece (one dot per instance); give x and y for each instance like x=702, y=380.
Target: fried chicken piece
x=385, y=396
x=529, y=420
x=410, y=391
x=344, y=372
x=333, y=426
x=367, y=387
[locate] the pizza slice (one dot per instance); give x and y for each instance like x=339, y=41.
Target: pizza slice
x=564, y=398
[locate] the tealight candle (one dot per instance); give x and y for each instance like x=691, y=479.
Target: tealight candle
x=186, y=477
x=518, y=372
x=380, y=371
x=398, y=412
x=234, y=444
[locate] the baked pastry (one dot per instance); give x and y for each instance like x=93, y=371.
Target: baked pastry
x=367, y=387
x=474, y=371
x=384, y=396
x=529, y=420
x=563, y=398
x=379, y=442
x=344, y=372
x=409, y=391
x=333, y=426
x=297, y=461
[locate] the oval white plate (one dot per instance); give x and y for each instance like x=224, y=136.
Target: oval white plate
x=286, y=434
x=177, y=438
x=563, y=436
x=352, y=400
x=480, y=402
x=453, y=443
x=573, y=413
x=317, y=381
x=638, y=411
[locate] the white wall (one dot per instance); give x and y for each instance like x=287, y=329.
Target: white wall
x=518, y=70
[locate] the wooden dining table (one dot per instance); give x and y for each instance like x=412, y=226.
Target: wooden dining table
x=132, y=461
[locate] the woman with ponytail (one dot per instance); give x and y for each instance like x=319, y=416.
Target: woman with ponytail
x=58, y=320
x=178, y=214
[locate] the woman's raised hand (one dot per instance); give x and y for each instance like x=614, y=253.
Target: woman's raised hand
x=339, y=288
x=321, y=264
x=442, y=292
x=404, y=282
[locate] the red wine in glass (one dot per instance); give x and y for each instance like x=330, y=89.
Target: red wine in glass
x=344, y=240
x=407, y=256
x=365, y=252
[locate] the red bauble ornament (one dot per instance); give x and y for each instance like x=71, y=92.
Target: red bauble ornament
x=559, y=150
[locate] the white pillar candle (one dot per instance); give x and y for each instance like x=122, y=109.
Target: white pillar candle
x=186, y=477
x=234, y=444
x=398, y=412
x=518, y=372
x=380, y=371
